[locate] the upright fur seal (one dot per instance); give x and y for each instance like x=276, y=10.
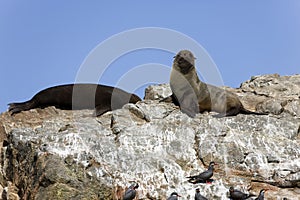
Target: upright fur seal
x=102, y=98
x=194, y=96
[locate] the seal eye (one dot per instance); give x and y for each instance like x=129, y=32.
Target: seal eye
x=191, y=56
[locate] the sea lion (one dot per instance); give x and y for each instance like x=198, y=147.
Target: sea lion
x=193, y=96
x=102, y=98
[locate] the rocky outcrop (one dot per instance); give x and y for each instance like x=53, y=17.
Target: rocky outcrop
x=55, y=154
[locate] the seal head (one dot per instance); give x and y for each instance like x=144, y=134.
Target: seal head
x=185, y=61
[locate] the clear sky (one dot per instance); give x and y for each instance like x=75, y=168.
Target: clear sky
x=44, y=43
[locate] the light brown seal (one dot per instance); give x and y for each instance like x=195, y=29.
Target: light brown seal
x=102, y=98
x=194, y=96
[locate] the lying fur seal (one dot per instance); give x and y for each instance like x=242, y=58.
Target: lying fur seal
x=194, y=96
x=78, y=96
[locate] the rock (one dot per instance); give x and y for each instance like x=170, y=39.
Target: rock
x=272, y=106
x=157, y=92
x=133, y=108
x=279, y=93
x=293, y=108
x=59, y=154
x=274, y=85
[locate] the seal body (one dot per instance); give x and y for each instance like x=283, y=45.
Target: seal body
x=194, y=96
x=102, y=98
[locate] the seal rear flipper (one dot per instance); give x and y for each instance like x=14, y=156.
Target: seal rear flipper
x=248, y=112
x=100, y=110
x=231, y=112
x=18, y=107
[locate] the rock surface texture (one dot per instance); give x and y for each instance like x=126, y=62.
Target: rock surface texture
x=55, y=154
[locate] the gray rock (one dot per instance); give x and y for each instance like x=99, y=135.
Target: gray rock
x=293, y=108
x=157, y=92
x=272, y=106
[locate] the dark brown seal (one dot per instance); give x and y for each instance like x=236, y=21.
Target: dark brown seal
x=78, y=96
x=194, y=96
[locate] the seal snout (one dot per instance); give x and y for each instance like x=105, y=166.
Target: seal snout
x=184, y=61
x=185, y=56
x=180, y=59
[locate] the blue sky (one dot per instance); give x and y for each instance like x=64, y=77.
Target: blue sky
x=44, y=44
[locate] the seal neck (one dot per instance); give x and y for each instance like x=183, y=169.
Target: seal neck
x=184, y=69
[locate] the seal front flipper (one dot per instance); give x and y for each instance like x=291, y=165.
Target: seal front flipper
x=189, y=111
x=99, y=110
x=189, y=104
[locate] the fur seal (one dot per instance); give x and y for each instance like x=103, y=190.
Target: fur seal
x=102, y=98
x=194, y=96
